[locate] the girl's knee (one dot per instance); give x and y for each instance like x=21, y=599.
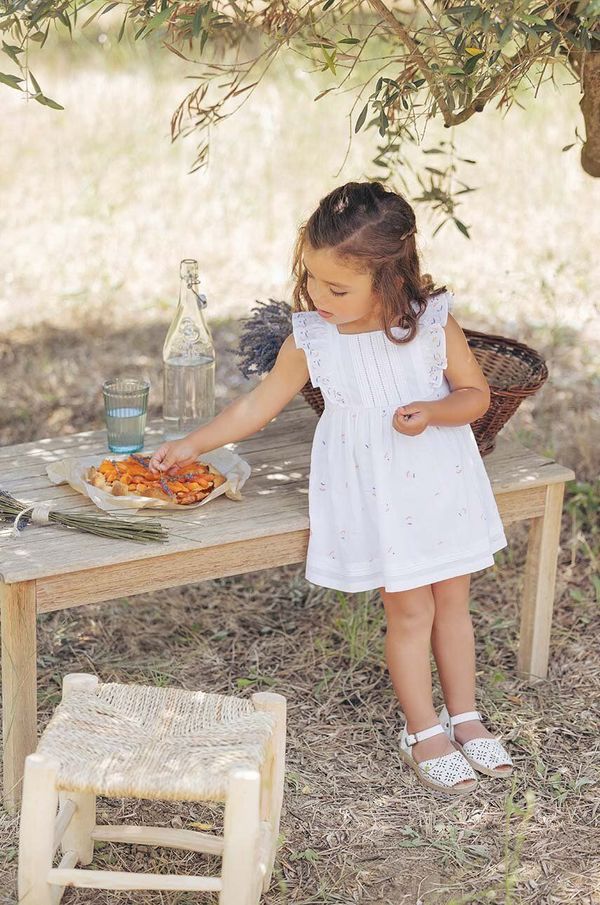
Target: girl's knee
x=415, y=607
x=451, y=599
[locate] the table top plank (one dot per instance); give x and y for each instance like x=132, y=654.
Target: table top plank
x=42, y=556
x=37, y=455
x=275, y=497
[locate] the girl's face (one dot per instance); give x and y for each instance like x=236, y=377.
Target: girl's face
x=340, y=295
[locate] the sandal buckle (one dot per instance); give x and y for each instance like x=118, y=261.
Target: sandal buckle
x=420, y=736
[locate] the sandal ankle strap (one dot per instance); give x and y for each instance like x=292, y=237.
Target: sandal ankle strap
x=465, y=717
x=420, y=736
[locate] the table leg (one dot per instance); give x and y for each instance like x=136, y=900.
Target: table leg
x=19, y=684
x=538, y=589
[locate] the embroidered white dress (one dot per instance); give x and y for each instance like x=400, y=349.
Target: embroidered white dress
x=388, y=510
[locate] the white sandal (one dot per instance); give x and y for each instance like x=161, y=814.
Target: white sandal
x=439, y=773
x=484, y=754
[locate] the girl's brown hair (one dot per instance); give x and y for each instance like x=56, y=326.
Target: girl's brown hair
x=371, y=229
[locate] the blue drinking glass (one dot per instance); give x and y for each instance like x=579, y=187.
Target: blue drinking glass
x=125, y=408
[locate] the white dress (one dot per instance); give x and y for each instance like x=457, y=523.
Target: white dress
x=388, y=510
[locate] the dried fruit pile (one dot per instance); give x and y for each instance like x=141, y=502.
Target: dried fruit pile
x=188, y=484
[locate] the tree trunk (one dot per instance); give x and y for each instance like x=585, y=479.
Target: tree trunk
x=587, y=67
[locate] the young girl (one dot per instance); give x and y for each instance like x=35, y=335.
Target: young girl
x=399, y=498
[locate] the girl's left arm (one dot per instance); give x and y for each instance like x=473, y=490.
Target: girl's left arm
x=469, y=398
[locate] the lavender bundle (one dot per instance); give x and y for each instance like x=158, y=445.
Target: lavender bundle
x=138, y=530
x=262, y=335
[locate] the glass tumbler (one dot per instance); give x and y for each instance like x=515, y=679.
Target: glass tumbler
x=125, y=408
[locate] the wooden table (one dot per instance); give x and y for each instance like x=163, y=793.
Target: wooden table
x=50, y=568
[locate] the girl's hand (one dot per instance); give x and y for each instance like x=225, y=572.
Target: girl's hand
x=412, y=419
x=173, y=454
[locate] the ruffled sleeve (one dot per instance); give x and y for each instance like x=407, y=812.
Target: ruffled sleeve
x=432, y=322
x=313, y=335
x=437, y=309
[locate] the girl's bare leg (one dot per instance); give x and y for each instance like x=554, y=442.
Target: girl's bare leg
x=453, y=647
x=409, y=616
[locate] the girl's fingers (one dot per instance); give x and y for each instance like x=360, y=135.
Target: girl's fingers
x=174, y=460
x=407, y=426
x=157, y=462
x=154, y=462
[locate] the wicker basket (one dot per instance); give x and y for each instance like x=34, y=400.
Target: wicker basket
x=512, y=369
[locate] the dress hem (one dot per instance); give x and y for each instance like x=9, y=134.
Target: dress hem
x=391, y=583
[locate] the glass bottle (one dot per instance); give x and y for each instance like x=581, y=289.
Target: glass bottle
x=189, y=360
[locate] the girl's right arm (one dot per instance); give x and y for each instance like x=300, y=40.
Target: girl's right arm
x=242, y=417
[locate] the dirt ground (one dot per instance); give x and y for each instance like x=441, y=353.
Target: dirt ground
x=356, y=825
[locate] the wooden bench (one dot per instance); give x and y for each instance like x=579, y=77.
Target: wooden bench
x=49, y=568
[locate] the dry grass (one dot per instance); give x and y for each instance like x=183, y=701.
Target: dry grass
x=357, y=826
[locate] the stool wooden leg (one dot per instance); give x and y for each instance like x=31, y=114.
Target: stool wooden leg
x=36, y=831
x=538, y=589
x=78, y=835
x=239, y=874
x=79, y=681
x=273, y=775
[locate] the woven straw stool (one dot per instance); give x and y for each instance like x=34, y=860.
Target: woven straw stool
x=160, y=743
